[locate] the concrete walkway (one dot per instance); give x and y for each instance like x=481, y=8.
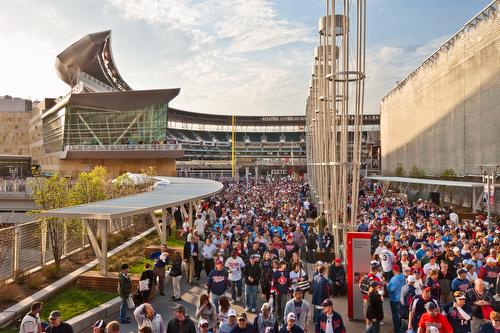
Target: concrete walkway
x=190, y=297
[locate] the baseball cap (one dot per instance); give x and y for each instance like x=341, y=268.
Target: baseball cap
x=55, y=314
x=242, y=315
x=326, y=302
x=124, y=266
x=459, y=295
x=264, y=306
x=396, y=268
x=338, y=260
x=491, y=260
x=232, y=313
x=290, y=316
x=403, y=253
x=298, y=290
x=319, y=263
x=375, y=283
x=411, y=279
x=202, y=322
x=430, y=306
x=461, y=271
x=99, y=324
x=428, y=289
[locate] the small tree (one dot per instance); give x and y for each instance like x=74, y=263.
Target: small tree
x=123, y=185
x=399, y=171
x=448, y=173
x=90, y=187
x=416, y=172
x=52, y=193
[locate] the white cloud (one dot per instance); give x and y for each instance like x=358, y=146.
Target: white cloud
x=232, y=63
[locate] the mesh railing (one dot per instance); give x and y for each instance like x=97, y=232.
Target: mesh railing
x=28, y=246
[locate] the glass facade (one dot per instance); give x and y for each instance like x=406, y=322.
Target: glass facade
x=85, y=126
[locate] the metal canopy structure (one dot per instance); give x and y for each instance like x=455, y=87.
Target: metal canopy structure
x=170, y=192
x=435, y=183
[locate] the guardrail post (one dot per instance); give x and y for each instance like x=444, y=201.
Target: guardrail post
x=15, y=251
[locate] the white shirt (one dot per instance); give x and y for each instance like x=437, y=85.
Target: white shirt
x=208, y=251
x=199, y=225
x=306, y=204
x=454, y=218
x=386, y=260
x=29, y=324
x=234, y=266
x=429, y=267
x=329, y=326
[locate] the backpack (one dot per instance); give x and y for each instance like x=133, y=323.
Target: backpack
x=365, y=284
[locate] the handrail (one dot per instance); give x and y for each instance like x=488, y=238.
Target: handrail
x=132, y=147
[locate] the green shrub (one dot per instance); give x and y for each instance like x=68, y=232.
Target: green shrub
x=51, y=272
x=416, y=172
x=448, y=173
x=9, y=293
x=399, y=171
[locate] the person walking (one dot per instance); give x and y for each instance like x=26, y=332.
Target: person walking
x=176, y=275
x=280, y=288
x=124, y=290
x=191, y=258
x=458, y=313
x=300, y=308
x=181, y=323
x=408, y=293
x=113, y=327
x=217, y=283
x=394, y=288
x=252, y=273
x=243, y=325
x=374, y=307
x=480, y=300
x=206, y=310
x=337, y=274
x=417, y=308
x=320, y=290
x=267, y=275
x=493, y=326
x=161, y=260
x=320, y=224
x=291, y=326
x=433, y=321
x=57, y=325
x=265, y=320
x=145, y=315
x=235, y=265
x=227, y=326
x=148, y=276
x=209, y=252
x=31, y=322
x=329, y=321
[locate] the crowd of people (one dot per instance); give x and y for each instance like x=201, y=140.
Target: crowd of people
x=440, y=273
x=255, y=246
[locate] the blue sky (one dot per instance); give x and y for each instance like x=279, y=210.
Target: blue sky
x=250, y=57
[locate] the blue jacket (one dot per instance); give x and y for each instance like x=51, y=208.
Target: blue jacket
x=394, y=287
x=218, y=281
x=320, y=289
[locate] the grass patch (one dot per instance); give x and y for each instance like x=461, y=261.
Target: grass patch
x=74, y=301
x=172, y=241
x=138, y=266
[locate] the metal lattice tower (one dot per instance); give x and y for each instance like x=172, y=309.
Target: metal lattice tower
x=334, y=114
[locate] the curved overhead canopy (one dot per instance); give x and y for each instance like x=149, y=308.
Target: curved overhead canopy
x=91, y=55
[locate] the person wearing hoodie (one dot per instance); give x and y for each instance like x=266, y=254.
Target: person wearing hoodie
x=252, y=273
x=300, y=308
x=218, y=282
x=145, y=315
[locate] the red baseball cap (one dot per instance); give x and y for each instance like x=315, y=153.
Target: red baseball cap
x=396, y=268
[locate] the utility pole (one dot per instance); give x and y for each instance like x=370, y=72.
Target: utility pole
x=489, y=174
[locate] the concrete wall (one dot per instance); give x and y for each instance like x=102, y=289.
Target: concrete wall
x=14, y=138
x=447, y=113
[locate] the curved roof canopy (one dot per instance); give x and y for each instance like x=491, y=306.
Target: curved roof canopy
x=91, y=55
x=174, y=191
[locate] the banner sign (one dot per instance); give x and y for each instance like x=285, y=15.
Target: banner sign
x=358, y=264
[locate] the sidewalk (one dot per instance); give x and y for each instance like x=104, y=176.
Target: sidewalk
x=190, y=296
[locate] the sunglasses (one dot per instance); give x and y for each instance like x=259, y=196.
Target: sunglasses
x=204, y=325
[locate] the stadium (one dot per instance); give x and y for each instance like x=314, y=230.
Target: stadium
x=102, y=121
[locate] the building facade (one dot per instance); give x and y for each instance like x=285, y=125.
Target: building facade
x=446, y=113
